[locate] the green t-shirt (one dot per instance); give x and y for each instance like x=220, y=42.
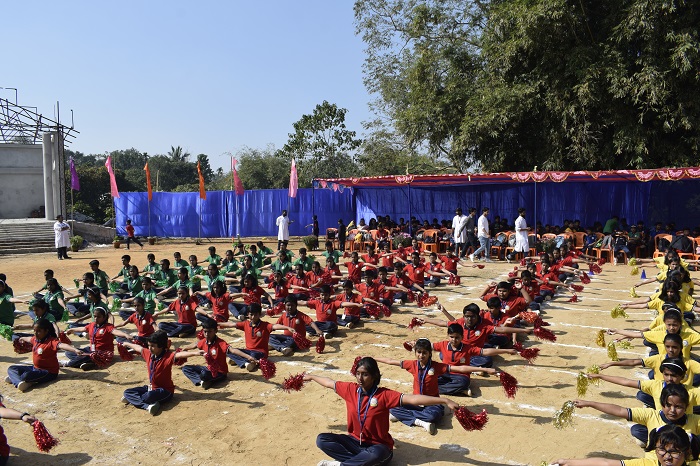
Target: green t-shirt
x=94, y=306
x=101, y=279
x=7, y=312
x=134, y=285
x=48, y=316
x=52, y=300
x=124, y=273
x=168, y=276
x=336, y=255
x=228, y=267
x=151, y=268
x=179, y=283
x=149, y=298
x=258, y=259
x=306, y=263
x=284, y=267
x=181, y=263
x=215, y=259
x=610, y=226
x=196, y=270
x=210, y=280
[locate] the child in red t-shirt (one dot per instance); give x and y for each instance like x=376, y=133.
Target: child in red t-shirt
x=219, y=299
x=351, y=302
x=101, y=335
x=299, y=285
x=144, y=322
x=44, y=368
x=251, y=294
x=390, y=287
x=293, y=318
x=130, y=235
x=216, y=348
x=9, y=413
x=354, y=267
x=159, y=360
x=368, y=440
x=184, y=308
x=326, y=313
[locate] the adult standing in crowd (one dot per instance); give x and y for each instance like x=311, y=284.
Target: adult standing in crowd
x=484, y=234
x=470, y=227
x=62, y=232
x=459, y=232
x=522, y=245
x=283, y=229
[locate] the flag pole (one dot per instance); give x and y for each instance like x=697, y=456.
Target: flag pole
x=199, y=239
x=149, y=218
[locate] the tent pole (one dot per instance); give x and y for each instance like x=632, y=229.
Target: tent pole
x=410, y=224
x=535, y=212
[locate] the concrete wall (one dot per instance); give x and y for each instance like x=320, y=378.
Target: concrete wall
x=21, y=180
x=94, y=233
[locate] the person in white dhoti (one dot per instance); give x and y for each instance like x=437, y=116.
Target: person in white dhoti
x=283, y=229
x=62, y=232
x=522, y=245
x=459, y=232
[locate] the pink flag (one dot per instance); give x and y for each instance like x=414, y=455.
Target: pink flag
x=293, y=184
x=112, y=179
x=74, y=180
x=237, y=183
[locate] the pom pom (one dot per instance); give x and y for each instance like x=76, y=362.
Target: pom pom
x=454, y=280
x=410, y=296
x=200, y=335
x=540, y=323
x=577, y=288
x=470, y=421
x=529, y=316
x=600, y=338
x=386, y=310
x=624, y=344
x=116, y=304
x=581, y=384
x=44, y=440
x=585, y=279
x=161, y=305
x=267, y=368
x=102, y=358
x=65, y=316
x=293, y=382
x=633, y=292
x=63, y=338
x=212, y=365
x=618, y=312
x=564, y=417
x=353, y=369
x=429, y=300
x=512, y=274
x=373, y=310
x=6, y=332
x=181, y=361
x=601, y=261
x=301, y=341
x=124, y=353
x=139, y=342
x=529, y=354
x=634, y=270
x=523, y=262
x=408, y=346
x=595, y=268
x=21, y=346
x=594, y=369
x=415, y=322
x=76, y=282
x=612, y=351
x=113, y=287
x=320, y=344
x=632, y=262
x=573, y=299
x=480, y=266
x=509, y=384
x=544, y=334
x=276, y=310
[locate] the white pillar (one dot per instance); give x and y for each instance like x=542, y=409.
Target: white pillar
x=55, y=174
x=48, y=177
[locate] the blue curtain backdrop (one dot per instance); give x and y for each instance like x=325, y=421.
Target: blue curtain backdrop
x=177, y=214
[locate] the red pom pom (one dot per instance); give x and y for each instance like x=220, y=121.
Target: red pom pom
x=44, y=440
x=320, y=344
x=212, y=365
x=293, y=382
x=544, y=334
x=455, y=280
x=529, y=354
x=573, y=299
x=540, y=323
x=353, y=369
x=411, y=296
x=301, y=341
x=22, y=347
x=386, y=310
x=271, y=284
x=102, y=358
x=585, y=279
x=523, y=262
x=509, y=384
x=64, y=338
x=314, y=293
x=577, y=288
x=601, y=261
x=480, y=266
x=415, y=322
x=408, y=346
x=124, y=353
x=528, y=316
x=426, y=300
x=200, y=335
x=139, y=342
x=595, y=268
x=276, y=310
x=512, y=274
x=470, y=421
x=373, y=310
x=267, y=368
x=179, y=362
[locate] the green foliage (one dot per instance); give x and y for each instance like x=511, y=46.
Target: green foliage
x=76, y=241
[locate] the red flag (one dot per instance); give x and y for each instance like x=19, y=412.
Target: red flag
x=236, y=180
x=202, y=191
x=148, y=182
x=293, y=184
x=112, y=179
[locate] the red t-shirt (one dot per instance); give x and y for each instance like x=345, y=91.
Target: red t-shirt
x=404, y=281
x=144, y=323
x=353, y=298
x=255, y=294
x=476, y=336
x=373, y=422
x=435, y=267
x=313, y=278
x=334, y=272
x=386, y=294
x=425, y=380
x=494, y=321
x=4, y=447
x=44, y=355
x=160, y=370
x=101, y=338
x=354, y=271
x=298, y=322
x=219, y=306
x=533, y=289
x=373, y=259
x=512, y=306
x=185, y=311
x=302, y=282
x=450, y=263
x=217, y=350
x=388, y=261
x=373, y=291
x=416, y=273
x=546, y=278
x=256, y=338
x=456, y=356
x=281, y=291
x=129, y=231
x=325, y=312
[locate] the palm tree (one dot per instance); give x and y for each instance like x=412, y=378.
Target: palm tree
x=178, y=154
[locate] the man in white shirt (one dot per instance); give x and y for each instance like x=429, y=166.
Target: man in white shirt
x=459, y=232
x=283, y=229
x=522, y=245
x=62, y=232
x=483, y=232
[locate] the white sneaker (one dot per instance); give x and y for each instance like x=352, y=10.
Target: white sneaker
x=428, y=426
x=351, y=325
x=393, y=418
x=287, y=351
x=251, y=366
x=154, y=409
x=487, y=260
x=471, y=257
x=8, y=379
x=64, y=362
x=329, y=463
x=23, y=386
x=468, y=392
x=397, y=301
x=327, y=335
x=124, y=400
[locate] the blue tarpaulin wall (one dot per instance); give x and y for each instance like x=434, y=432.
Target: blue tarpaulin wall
x=177, y=214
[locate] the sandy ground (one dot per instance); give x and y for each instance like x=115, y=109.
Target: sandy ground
x=253, y=421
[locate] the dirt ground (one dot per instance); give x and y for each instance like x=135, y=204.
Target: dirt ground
x=253, y=421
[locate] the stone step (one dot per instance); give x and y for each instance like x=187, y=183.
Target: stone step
x=26, y=236
x=33, y=250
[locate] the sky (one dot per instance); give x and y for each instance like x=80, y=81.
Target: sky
x=212, y=77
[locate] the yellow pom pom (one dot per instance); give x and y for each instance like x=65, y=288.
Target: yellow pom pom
x=600, y=338
x=632, y=262
x=612, y=352
x=624, y=344
x=581, y=384
x=564, y=416
x=594, y=369
x=634, y=271
x=618, y=312
x=633, y=293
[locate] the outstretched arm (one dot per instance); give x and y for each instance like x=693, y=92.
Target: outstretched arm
x=323, y=381
x=607, y=408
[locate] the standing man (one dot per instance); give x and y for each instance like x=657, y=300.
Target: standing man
x=283, y=229
x=471, y=231
x=62, y=231
x=522, y=245
x=484, y=234
x=459, y=232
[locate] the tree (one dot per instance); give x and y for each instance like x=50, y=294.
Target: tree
x=208, y=173
x=178, y=154
x=322, y=145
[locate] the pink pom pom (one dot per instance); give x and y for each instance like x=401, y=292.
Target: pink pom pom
x=523, y=262
x=267, y=368
x=353, y=369
x=293, y=382
x=528, y=316
x=415, y=322
x=470, y=421
x=44, y=440
x=577, y=288
x=124, y=353
x=509, y=384
x=411, y=296
x=102, y=358
x=301, y=341
x=408, y=346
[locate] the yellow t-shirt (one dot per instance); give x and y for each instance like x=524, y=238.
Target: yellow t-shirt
x=685, y=304
x=690, y=339
x=654, y=388
x=652, y=420
x=654, y=363
x=641, y=462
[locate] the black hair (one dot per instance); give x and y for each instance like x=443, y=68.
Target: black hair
x=159, y=338
x=126, y=257
x=325, y=289
x=423, y=344
x=474, y=308
x=41, y=304
x=673, y=314
x=455, y=328
x=255, y=308
x=183, y=270
x=382, y=270
x=674, y=337
x=348, y=284
x=139, y=300
x=371, y=273
x=100, y=310
x=525, y=274
x=89, y=275
x=165, y=261
x=52, y=281
x=151, y=255
x=291, y=299
x=146, y=280
x=302, y=250
x=372, y=367
x=95, y=262
x=44, y=324
x=493, y=302
x=676, y=437
x=208, y=323
x=95, y=291
x=675, y=365
x=675, y=389
x=504, y=286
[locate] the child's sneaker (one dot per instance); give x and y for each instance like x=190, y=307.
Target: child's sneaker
x=429, y=426
x=124, y=400
x=86, y=366
x=154, y=409
x=8, y=379
x=23, y=386
x=287, y=351
x=393, y=418
x=251, y=366
x=206, y=384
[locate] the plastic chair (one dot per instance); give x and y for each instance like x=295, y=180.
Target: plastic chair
x=502, y=247
x=579, y=238
x=334, y=233
x=429, y=247
x=658, y=253
x=604, y=251
x=350, y=243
